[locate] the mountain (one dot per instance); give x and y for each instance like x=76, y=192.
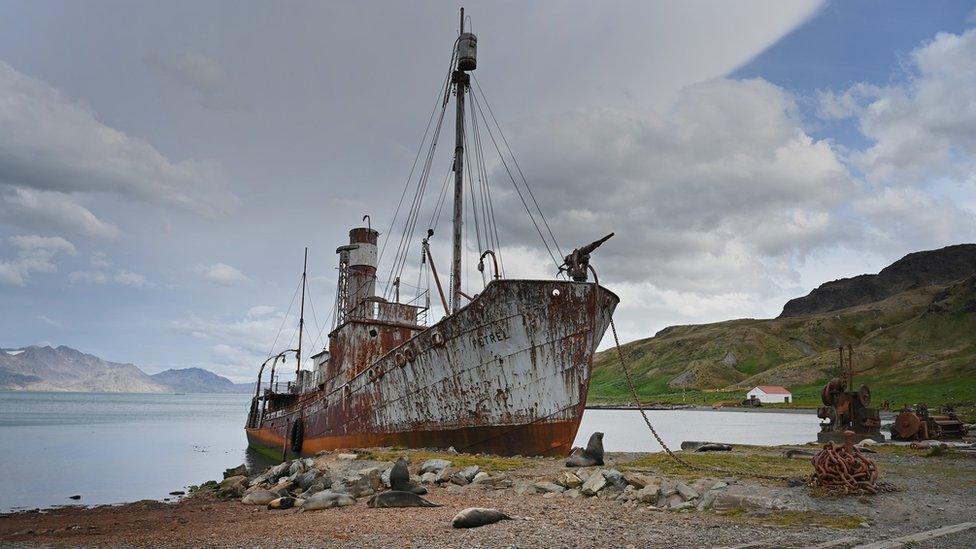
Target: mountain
x=912, y=271
x=38, y=368
x=65, y=369
x=198, y=380
x=912, y=327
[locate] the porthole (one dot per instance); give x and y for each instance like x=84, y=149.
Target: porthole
x=438, y=339
x=410, y=354
x=372, y=332
x=400, y=360
x=555, y=292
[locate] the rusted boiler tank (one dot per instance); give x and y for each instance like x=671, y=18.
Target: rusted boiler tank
x=920, y=424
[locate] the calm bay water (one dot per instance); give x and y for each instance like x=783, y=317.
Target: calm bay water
x=112, y=448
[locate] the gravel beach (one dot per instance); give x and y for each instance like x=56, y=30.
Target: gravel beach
x=933, y=491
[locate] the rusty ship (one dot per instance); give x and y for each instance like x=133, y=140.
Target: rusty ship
x=505, y=371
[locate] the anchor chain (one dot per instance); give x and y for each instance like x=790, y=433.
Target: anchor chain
x=671, y=454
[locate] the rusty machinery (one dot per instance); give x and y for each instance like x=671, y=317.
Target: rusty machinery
x=847, y=410
x=920, y=424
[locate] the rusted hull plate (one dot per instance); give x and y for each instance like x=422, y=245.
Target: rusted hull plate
x=508, y=374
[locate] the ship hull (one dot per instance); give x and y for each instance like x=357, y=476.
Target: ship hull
x=508, y=374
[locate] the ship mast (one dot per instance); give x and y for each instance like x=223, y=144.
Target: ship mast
x=301, y=318
x=461, y=81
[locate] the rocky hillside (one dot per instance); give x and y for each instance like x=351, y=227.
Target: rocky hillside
x=65, y=369
x=934, y=267
x=913, y=333
x=38, y=368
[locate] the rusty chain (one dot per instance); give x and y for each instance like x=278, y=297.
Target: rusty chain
x=841, y=469
x=671, y=454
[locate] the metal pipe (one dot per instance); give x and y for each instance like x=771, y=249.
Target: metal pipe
x=433, y=270
x=481, y=263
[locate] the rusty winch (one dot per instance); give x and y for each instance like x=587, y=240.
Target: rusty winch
x=847, y=410
x=920, y=424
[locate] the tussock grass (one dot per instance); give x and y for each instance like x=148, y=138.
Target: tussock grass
x=485, y=462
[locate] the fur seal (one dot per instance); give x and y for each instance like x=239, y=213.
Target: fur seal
x=281, y=503
x=397, y=498
x=714, y=447
x=473, y=517
x=592, y=455
x=327, y=499
x=400, y=479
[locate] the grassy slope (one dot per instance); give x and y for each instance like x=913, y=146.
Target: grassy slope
x=917, y=346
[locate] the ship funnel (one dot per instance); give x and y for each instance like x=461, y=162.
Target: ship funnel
x=362, y=265
x=467, y=52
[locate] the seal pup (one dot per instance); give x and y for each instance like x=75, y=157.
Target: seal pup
x=592, y=455
x=473, y=517
x=397, y=498
x=281, y=503
x=400, y=479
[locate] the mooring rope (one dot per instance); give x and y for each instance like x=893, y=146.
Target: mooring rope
x=678, y=459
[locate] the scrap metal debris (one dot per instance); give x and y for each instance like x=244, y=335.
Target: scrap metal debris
x=842, y=470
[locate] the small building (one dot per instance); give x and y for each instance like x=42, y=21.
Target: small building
x=770, y=394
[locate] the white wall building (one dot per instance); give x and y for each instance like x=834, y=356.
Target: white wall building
x=770, y=394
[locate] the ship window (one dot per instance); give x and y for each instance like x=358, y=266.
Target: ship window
x=555, y=292
x=372, y=332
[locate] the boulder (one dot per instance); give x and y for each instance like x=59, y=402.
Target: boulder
x=373, y=476
x=240, y=470
x=470, y=472
x=637, y=480
x=525, y=488
x=347, y=457
x=232, y=487
x=569, y=480
x=648, y=494
x=434, y=465
x=428, y=478
x=326, y=500
x=315, y=488
x=549, y=487
x=308, y=478
x=276, y=472
x=686, y=492
x=594, y=484
x=356, y=485
x=480, y=477
x=459, y=479
x=574, y=493
x=615, y=478
x=385, y=477
x=259, y=497
x=296, y=467
x=684, y=506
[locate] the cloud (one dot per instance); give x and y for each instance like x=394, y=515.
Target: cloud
x=35, y=254
x=49, y=321
x=699, y=196
x=197, y=72
x=221, y=273
x=51, y=144
x=260, y=310
x=120, y=277
x=923, y=127
x=41, y=210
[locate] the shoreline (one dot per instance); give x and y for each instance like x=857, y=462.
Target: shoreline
x=738, y=509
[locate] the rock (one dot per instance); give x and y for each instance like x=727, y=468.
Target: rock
x=385, y=477
x=232, y=487
x=480, y=477
x=470, y=472
x=573, y=493
x=434, y=465
x=594, y=484
x=259, y=497
x=648, y=494
x=296, y=467
x=707, y=500
x=525, y=488
x=356, y=485
x=719, y=486
x=714, y=447
x=668, y=488
x=309, y=463
x=673, y=501
x=614, y=478
x=236, y=471
x=550, y=495
x=459, y=479
x=793, y=453
x=549, y=487
x=277, y=472
x=687, y=505
x=686, y=492
x=443, y=476
x=752, y=500
x=568, y=480
x=373, y=476
x=637, y=480
x=326, y=500
x=347, y=457
x=315, y=488
x=583, y=474
x=308, y=478
x=428, y=478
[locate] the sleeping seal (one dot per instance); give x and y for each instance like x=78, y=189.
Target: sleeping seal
x=396, y=498
x=327, y=499
x=282, y=503
x=473, y=517
x=592, y=455
x=400, y=479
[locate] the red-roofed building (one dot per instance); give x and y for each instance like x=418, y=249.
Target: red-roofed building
x=770, y=394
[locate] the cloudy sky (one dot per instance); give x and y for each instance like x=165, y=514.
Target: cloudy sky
x=162, y=165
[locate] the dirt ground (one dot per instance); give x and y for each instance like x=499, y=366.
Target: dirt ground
x=934, y=491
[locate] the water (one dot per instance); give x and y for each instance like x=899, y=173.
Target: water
x=112, y=448
x=625, y=430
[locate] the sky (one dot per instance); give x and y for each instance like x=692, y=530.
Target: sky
x=163, y=165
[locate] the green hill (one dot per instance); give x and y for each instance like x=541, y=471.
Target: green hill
x=915, y=345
